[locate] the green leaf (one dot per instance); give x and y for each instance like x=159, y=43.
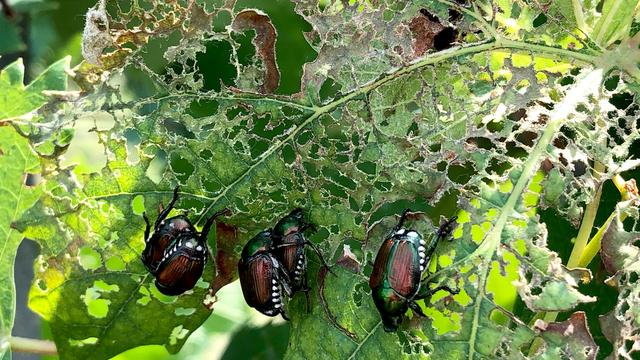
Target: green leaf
x=16, y=162
x=94, y=290
x=17, y=99
x=615, y=21
x=512, y=113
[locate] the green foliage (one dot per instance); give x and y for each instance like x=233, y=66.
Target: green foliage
x=522, y=113
x=18, y=99
x=16, y=162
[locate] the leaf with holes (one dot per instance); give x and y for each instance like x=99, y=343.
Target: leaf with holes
x=18, y=99
x=491, y=111
x=17, y=165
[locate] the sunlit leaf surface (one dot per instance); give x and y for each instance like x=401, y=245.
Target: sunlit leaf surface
x=488, y=111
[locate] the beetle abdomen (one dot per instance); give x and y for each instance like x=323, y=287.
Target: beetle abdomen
x=156, y=246
x=260, y=287
x=403, y=269
x=154, y=251
x=179, y=274
x=255, y=279
x=289, y=254
x=380, y=264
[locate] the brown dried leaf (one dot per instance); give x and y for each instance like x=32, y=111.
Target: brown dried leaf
x=265, y=43
x=568, y=339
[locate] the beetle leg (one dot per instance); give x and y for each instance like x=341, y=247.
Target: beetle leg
x=324, y=263
x=284, y=314
x=403, y=218
x=286, y=288
x=430, y=292
x=165, y=211
x=416, y=308
x=446, y=229
x=282, y=277
x=147, y=229
x=306, y=289
x=210, y=221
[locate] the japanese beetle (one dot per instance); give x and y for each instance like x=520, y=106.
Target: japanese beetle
x=176, y=253
x=262, y=277
x=164, y=232
x=396, y=279
x=289, y=248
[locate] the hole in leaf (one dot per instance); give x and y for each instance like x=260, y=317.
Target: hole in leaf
x=560, y=142
x=329, y=89
x=516, y=151
x=203, y=107
x=445, y=38
x=461, y=174
x=133, y=141
x=498, y=167
x=612, y=83
x=115, y=263
x=181, y=167
x=539, y=20
x=536, y=290
x=89, y=258
x=157, y=166
x=517, y=115
x=579, y=168
x=367, y=167
x=621, y=100
x=180, y=311
x=83, y=342
x=178, y=333
x=526, y=137
x=216, y=66
x=481, y=142
x=96, y=306
x=495, y=126
x=32, y=180
x=178, y=128
x=137, y=204
x=288, y=154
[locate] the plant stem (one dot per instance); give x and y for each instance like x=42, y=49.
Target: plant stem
x=579, y=15
x=588, y=219
x=593, y=247
x=33, y=346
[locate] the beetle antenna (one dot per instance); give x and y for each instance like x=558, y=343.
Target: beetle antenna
x=403, y=217
x=211, y=221
x=447, y=228
x=324, y=263
x=147, y=229
x=165, y=212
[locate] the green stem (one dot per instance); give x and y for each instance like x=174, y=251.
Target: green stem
x=579, y=56
x=579, y=15
x=32, y=346
x=588, y=220
x=593, y=247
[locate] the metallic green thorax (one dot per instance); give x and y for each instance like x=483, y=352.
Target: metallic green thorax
x=290, y=223
x=398, y=270
x=259, y=243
